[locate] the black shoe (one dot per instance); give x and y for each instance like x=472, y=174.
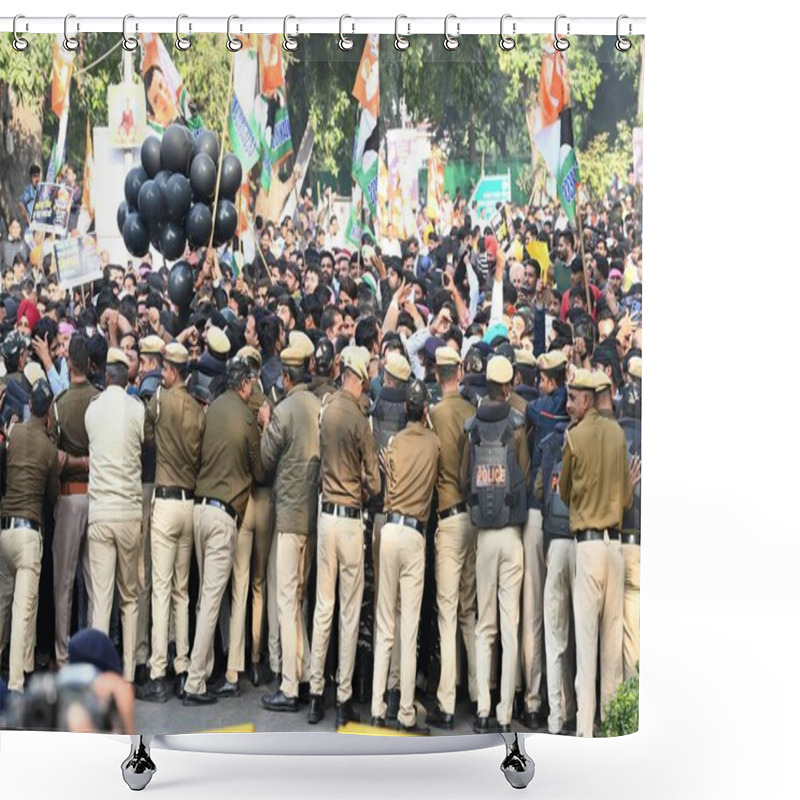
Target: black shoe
x=440, y=719
x=226, y=689
x=392, y=703
x=518, y=706
x=254, y=674
x=346, y=713
x=417, y=729
x=531, y=720
x=304, y=693
x=141, y=675
x=316, y=710
x=279, y=702
x=482, y=725
x=205, y=699
x=153, y=691
x=378, y=722
x=504, y=728
x=180, y=684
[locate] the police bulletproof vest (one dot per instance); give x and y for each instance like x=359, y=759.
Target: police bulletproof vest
x=555, y=512
x=388, y=415
x=497, y=483
x=632, y=517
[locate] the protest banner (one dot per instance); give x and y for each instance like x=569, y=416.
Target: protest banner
x=491, y=190
x=51, y=208
x=77, y=262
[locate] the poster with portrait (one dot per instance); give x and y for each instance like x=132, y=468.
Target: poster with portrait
x=51, y=208
x=127, y=122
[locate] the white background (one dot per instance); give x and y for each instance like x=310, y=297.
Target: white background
x=720, y=621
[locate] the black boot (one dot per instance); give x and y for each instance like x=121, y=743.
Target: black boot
x=346, y=713
x=440, y=719
x=153, y=691
x=316, y=709
x=279, y=702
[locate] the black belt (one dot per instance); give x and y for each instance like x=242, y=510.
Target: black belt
x=341, y=511
x=173, y=493
x=19, y=522
x=458, y=508
x=220, y=504
x=594, y=535
x=631, y=538
x=410, y=522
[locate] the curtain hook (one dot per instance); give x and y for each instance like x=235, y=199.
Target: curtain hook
x=560, y=43
x=233, y=44
x=345, y=42
x=506, y=42
x=19, y=44
x=129, y=43
x=70, y=42
x=623, y=44
x=289, y=43
x=451, y=42
x=400, y=42
x=182, y=42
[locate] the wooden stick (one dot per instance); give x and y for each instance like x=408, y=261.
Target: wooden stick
x=583, y=251
x=222, y=152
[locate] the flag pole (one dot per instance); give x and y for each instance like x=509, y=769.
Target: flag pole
x=583, y=250
x=222, y=151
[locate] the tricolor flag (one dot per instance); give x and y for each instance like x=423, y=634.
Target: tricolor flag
x=553, y=127
x=242, y=126
x=63, y=63
x=86, y=215
x=365, y=151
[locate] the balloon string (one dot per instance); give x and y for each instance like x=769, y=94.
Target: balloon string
x=222, y=151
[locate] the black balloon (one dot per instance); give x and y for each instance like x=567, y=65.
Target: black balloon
x=122, y=213
x=152, y=205
x=178, y=196
x=176, y=149
x=198, y=225
x=135, y=236
x=203, y=175
x=172, y=241
x=231, y=178
x=154, y=230
x=226, y=219
x=206, y=142
x=162, y=177
x=180, y=285
x=133, y=182
x=151, y=155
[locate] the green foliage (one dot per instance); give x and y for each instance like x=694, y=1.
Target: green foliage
x=28, y=72
x=601, y=161
x=622, y=714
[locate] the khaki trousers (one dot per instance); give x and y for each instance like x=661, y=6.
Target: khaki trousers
x=21, y=550
x=145, y=578
x=113, y=558
x=456, y=595
x=597, y=597
x=531, y=626
x=274, y=633
x=293, y=565
x=6, y=601
x=214, y=543
x=171, y=548
x=340, y=550
x=559, y=638
x=394, y=665
x=252, y=548
x=69, y=547
x=499, y=565
x=631, y=554
x=402, y=565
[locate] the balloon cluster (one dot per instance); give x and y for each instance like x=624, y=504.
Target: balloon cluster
x=169, y=198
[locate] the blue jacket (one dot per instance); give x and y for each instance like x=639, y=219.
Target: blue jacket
x=542, y=416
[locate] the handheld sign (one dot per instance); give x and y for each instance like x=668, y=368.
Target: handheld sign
x=51, y=208
x=77, y=262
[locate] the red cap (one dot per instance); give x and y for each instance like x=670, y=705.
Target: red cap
x=491, y=245
x=27, y=308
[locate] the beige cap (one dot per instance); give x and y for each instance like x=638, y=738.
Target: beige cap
x=524, y=357
x=583, y=380
x=601, y=381
x=151, y=346
x=217, y=340
x=555, y=359
x=250, y=352
x=292, y=356
x=301, y=342
x=397, y=366
x=116, y=356
x=176, y=353
x=635, y=367
x=446, y=356
x=357, y=360
x=499, y=370
x=33, y=372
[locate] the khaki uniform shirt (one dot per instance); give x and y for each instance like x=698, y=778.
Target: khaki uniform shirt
x=517, y=403
x=595, y=482
x=115, y=425
x=69, y=413
x=32, y=470
x=346, y=450
x=177, y=422
x=290, y=449
x=230, y=456
x=412, y=466
x=448, y=418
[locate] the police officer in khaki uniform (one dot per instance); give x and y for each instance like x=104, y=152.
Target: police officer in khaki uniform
x=72, y=510
x=496, y=467
x=150, y=379
x=455, y=541
x=596, y=485
x=411, y=461
x=176, y=421
x=350, y=475
x=229, y=462
x=31, y=464
x=290, y=450
x=115, y=425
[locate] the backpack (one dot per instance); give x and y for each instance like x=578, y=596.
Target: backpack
x=498, y=494
x=555, y=512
